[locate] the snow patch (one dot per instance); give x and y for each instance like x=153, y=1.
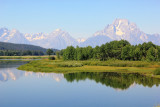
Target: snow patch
x=119, y=32
x=81, y=40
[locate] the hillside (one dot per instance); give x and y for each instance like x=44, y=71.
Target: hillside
x=21, y=47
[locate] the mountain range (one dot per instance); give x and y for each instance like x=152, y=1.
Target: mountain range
x=59, y=39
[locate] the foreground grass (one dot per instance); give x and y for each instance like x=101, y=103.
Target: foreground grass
x=23, y=57
x=59, y=66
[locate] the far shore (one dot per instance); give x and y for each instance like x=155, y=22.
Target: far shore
x=24, y=57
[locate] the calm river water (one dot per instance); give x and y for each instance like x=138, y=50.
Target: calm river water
x=29, y=89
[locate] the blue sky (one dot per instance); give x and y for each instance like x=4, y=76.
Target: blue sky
x=80, y=18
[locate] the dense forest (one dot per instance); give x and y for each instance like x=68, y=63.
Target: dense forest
x=121, y=50
x=11, y=49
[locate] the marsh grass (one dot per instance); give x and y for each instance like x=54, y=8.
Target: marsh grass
x=70, y=64
x=117, y=63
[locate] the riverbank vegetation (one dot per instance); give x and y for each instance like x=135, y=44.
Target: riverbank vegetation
x=118, y=66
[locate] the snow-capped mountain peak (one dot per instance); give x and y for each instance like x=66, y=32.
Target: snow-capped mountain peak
x=118, y=22
x=123, y=29
x=58, y=32
x=13, y=36
x=36, y=36
x=59, y=39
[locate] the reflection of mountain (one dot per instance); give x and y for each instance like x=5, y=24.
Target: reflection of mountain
x=9, y=72
x=56, y=77
x=118, y=81
x=115, y=80
x=6, y=72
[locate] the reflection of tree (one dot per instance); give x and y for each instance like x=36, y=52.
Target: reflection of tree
x=115, y=80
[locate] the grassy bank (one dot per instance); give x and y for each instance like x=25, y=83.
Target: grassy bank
x=59, y=66
x=23, y=57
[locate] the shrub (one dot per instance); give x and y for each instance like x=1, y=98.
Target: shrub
x=52, y=58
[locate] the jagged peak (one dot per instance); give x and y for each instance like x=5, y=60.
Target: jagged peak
x=119, y=21
x=123, y=22
x=59, y=32
x=14, y=31
x=4, y=29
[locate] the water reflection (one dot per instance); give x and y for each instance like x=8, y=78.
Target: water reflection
x=115, y=80
x=8, y=71
x=119, y=81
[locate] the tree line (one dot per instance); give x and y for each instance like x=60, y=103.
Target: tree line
x=121, y=50
x=20, y=53
x=12, y=49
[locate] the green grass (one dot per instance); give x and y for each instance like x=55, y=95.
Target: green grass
x=70, y=64
x=59, y=66
x=117, y=63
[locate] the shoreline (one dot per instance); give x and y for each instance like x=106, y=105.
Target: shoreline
x=23, y=57
x=59, y=66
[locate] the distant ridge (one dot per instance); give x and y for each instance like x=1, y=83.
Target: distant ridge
x=21, y=47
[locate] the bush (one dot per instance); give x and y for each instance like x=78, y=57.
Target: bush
x=156, y=71
x=52, y=58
